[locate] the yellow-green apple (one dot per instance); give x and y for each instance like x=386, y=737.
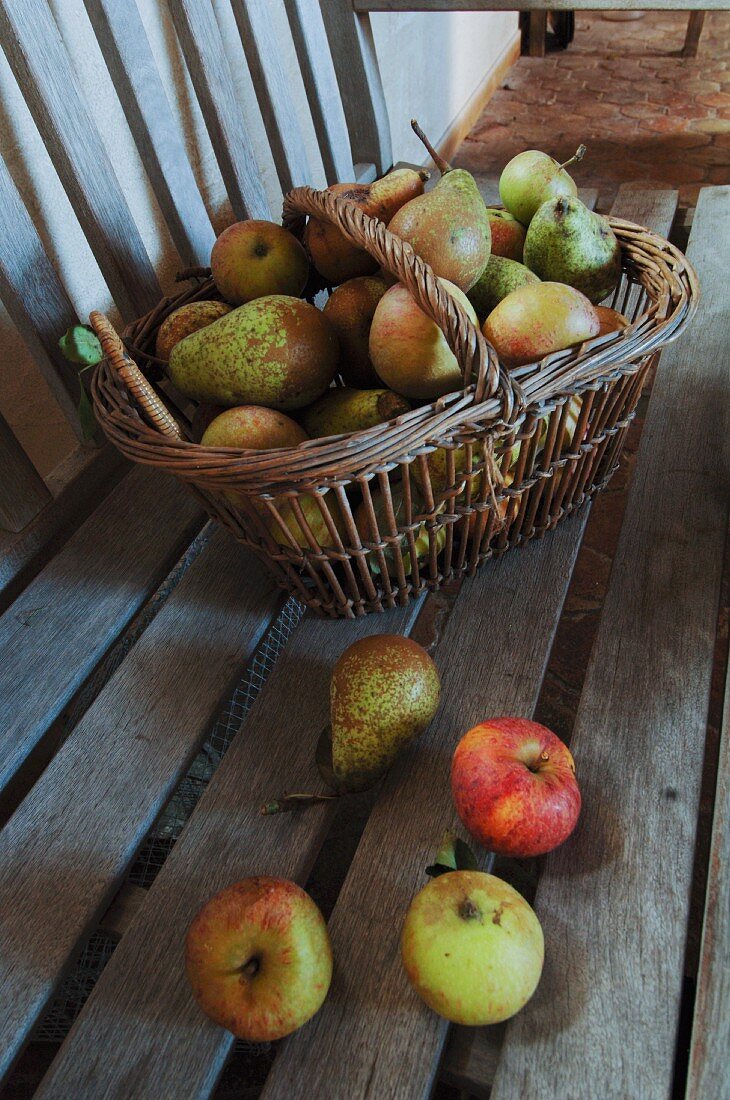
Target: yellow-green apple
x=508, y=235
x=537, y=319
x=514, y=786
x=409, y=351
x=472, y=947
x=258, y=958
x=253, y=258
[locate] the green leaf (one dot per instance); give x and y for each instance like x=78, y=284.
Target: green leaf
x=86, y=415
x=465, y=858
x=453, y=855
x=79, y=344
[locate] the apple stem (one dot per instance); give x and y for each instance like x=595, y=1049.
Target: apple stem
x=577, y=156
x=442, y=165
x=289, y=802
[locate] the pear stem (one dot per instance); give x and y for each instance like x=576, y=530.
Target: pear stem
x=577, y=156
x=442, y=165
x=289, y=802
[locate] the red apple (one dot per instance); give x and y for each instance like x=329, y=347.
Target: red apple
x=258, y=957
x=514, y=787
x=508, y=235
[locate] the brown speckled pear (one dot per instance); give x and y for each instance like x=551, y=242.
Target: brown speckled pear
x=276, y=351
x=384, y=692
x=342, y=410
x=449, y=226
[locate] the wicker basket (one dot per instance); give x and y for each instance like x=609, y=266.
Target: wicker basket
x=363, y=522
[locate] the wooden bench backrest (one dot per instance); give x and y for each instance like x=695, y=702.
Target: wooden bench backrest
x=335, y=52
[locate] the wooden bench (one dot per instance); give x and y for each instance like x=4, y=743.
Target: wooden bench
x=128, y=625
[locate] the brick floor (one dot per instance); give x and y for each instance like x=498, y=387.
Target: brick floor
x=646, y=114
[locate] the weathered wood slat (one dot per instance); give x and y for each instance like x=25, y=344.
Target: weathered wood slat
x=35, y=299
x=64, y=621
x=613, y=900
x=471, y=1056
x=23, y=492
x=709, y=1065
x=41, y=65
x=320, y=81
x=63, y=853
x=358, y=76
x=694, y=32
x=123, y=41
x=535, y=5
x=263, y=50
x=146, y=1037
x=213, y=82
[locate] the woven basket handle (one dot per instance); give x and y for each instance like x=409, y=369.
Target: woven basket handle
x=154, y=410
x=475, y=355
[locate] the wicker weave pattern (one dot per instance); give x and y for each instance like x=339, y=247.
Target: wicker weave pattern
x=358, y=523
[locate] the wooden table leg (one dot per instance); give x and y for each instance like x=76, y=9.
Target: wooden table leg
x=692, y=38
x=538, y=30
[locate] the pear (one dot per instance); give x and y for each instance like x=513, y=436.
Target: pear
x=313, y=518
x=568, y=243
x=531, y=178
x=499, y=278
x=383, y=694
x=276, y=351
x=538, y=319
x=409, y=350
x=342, y=410
x=610, y=320
x=334, y=257
x=253, y=258
x=508, y=235
x=253, y=427
x=385, y=530
x=448, y=226
x=184, y=321
x=349, y=309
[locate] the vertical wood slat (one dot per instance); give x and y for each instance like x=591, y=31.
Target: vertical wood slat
x=23, y=492
x=35, y=299
x=358, y=76
x=694, y=30
x=210, y=73
x=123, y=41
x=320, y=81
x=43, y=70
x=262, y=50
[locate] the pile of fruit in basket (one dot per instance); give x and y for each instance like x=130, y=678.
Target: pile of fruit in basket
x=258, y=954
x=268, y=369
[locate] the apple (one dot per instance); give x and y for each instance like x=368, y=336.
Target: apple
x=508, y=235
x=514, y=787
x=610, y=320
x=258, y=958
x=254, y=258
x=472, y=948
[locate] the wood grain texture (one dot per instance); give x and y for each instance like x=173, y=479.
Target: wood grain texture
x=212, y=79
x=694, y=31
x=538, y=30
x=537, y=5
x=42, y=68
x=614, y=899
x=123, y=41
x=709, y=1065
x=35, y=299
x=65, y=850
x=356, y=65
x=145, y=1036
x=320, y=82
x=64, y=621
x=23, y=492
x=272, y=86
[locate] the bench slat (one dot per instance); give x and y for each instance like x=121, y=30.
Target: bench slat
x=64, y=851
x=43, y=70
x=146, y=1037
x=124, y=43
x=614, y=899
x=210, y=73
x=53, y=635
x=709, y=1066
x=23, y=492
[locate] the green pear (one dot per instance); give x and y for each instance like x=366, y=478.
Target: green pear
x=184, y=321
x=276, y=351
x=568, y=243
x=384, y=530
x=341, y=410
x=538, y=319
x=531, y=178
x=448, y=226
x=383, y=694
x=499, y=278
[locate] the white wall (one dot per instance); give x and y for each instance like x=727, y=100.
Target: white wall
x=431, y=65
